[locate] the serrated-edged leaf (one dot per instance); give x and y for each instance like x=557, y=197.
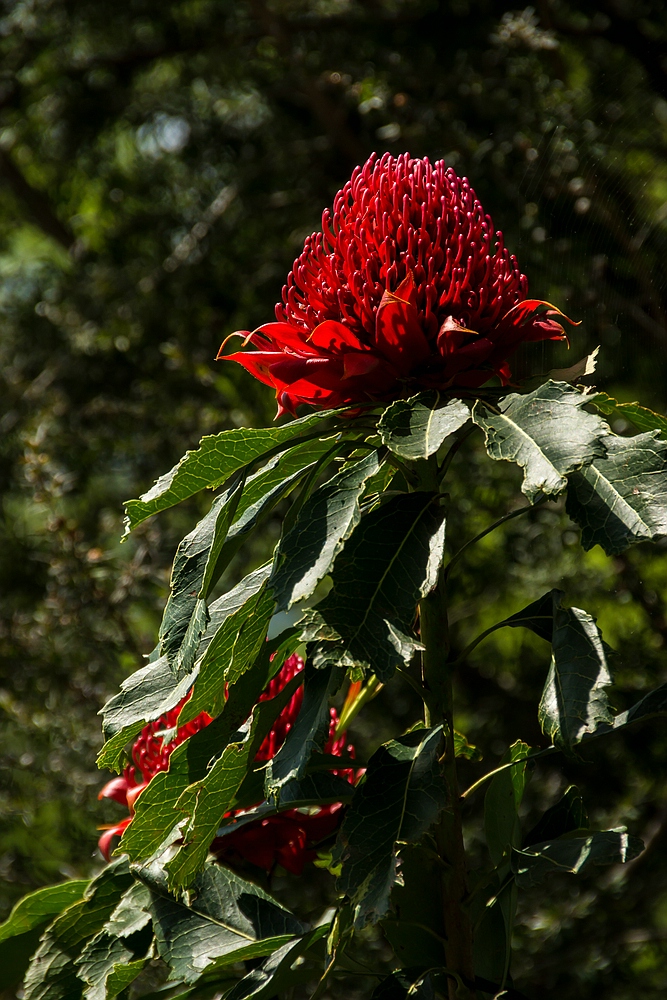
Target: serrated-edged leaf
x=231, y=651
x=20, y=933
x=210, y=766
x=40, y=906
x=502, y=801
x=279, y=972
x=574, y=700
x=640, y=416
x=399, y=800
x=97, y=961
x=415, y=428
x=218, y=457
x=131, y=914
x=546, y=432
x=622, y=499
x=52, y=974
x=308, y=733
x=192, y=574
x=307, y=552
x=226, y=920
x=389, y=563
x=574, y=855
x=567, y=815
x=206, y=802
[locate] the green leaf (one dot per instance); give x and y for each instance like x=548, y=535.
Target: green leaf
x=401, y=797
x=651, y=705
x=567, y=815
x=415, y=927
x=225, y=920
x=574, y=700
x=574, y=855
x=309, y=732
x=279, y=972
x=622, y=499
x=501, y=804
x=464, y=749
x=415, y=428
x=52, y=974
x=640, y=416
x=218, y=457
x=21, y=931
x=232, y=650
x=389, y=563
x=40, y=906
x=407, y=984
x=194, y=794
x=99, y=960
x=307, y=552
x=546, y=432
x=538, y=616
x=131, y=915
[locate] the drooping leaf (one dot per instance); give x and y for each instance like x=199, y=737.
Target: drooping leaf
x=225, y=920
x=401, y=797
x=573, y=854
x=279, y=972
x=218, y=457
x=640, y=416
x=567, y=815
x=622, y=499
x=20, y=933
x=574, y=700
x=52, y=974
x=415, y=428
x=192, y=574
x=501, y=804
x=99, y=959
x=389, y=563
x=546, y=432
x=464, y=749
x=307, y=552
x=210, y=766
x=309, y=732
x=206, y=801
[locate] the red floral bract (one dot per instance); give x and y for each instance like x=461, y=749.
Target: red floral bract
x=287, y=839
x=407, y=287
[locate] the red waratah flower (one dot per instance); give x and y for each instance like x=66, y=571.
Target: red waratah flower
x=287, y=839
x=407, y=287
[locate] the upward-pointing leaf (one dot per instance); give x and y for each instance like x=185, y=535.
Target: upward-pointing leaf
x=574, y=701
x=640, y=416
x=401, y=797
x=218, y=457
x=415, y=428
x=622, y=499
x=389, y=563
x=307, y=552
x=546, y=432
x=227, y=920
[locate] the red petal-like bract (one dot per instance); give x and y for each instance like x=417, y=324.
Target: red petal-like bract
x=287, y=839
x=408, y=286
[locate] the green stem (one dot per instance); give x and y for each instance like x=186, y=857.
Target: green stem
x=496, y=524
x=437, y=675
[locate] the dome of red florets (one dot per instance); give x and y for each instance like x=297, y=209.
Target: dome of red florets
x=407, y=286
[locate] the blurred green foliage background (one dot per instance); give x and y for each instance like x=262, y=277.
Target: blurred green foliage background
x=160, y=165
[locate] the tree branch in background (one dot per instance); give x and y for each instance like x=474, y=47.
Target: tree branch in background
x=37, y=204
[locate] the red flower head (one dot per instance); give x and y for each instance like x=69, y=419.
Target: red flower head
x=407, y=287
x=287, y=839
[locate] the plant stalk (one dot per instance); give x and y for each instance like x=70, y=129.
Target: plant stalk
x=437, y=676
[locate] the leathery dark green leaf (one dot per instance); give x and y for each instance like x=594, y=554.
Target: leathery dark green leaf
x=218, y=457
x=278, y=972
x=388, y=564
x=307, y=552
x=573, y=854
x=546, y=432
x=401, y=797
x=225, y=919
x=621, y=499
x=415, y=428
